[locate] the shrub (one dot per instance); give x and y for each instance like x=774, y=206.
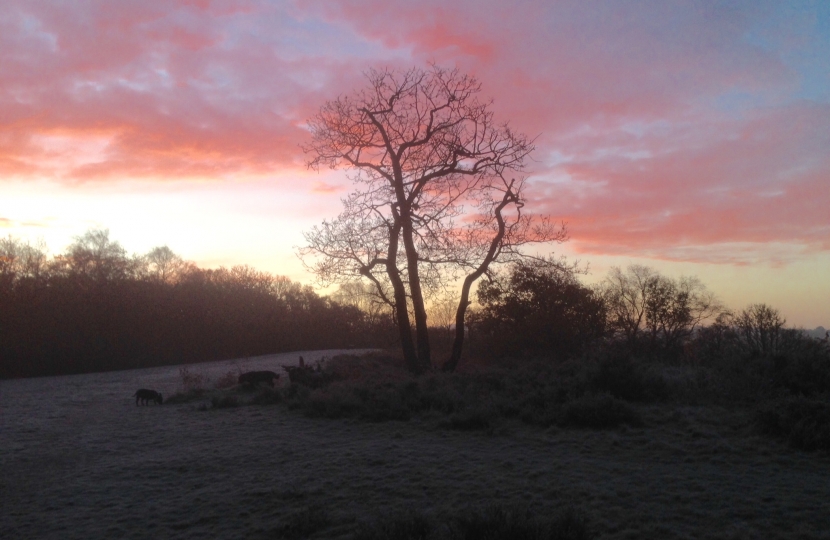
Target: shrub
x=625, y=379
x=267, y=396
x=334, y=402
x=803, y=422
x=310, y=376
x=228, y=380
x=191, y=382
x=224, y=401
x=598, y=411
x=378, y=365
x=386, y=402
x=540, y=394
x=805, y=372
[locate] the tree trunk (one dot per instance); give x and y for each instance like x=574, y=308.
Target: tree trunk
x=460, y=314
x=464, y=302
x=401, y=313
x=421, y=329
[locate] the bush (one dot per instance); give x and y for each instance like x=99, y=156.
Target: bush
x=191, y=382
x=228, y=380
x=806, y=372
x=224, y=401
x=803, y=422
x=311, y=376
x=339, y=402
x=598, y=412
x=267, y=396
x=625, y=379
x=573, y=394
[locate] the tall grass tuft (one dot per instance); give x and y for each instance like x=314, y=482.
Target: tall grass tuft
x=303, y=524
x=491, y=523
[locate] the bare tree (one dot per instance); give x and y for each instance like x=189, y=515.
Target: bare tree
x=94, y=256
x=163, y=264
x=760, y=329
x=435, y=200
x=21, y=260
x=646, y=306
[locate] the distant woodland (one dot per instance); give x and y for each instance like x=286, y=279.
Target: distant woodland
x=96, y=308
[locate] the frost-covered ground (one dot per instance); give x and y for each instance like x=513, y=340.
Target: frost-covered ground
x=78, y=459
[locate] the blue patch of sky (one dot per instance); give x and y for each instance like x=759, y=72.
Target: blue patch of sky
x=798, y=34
x=33, y=26
x=735, y=102
x=298, y=38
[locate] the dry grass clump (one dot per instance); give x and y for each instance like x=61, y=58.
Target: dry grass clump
x=493, y=523
x=803, y=422
x=378, y=365
x=185, y=397
x=303, y=524
x=190, y=380
x=191, y=386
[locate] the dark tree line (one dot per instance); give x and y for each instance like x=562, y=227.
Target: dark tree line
x=96, y=308
x=540, y=309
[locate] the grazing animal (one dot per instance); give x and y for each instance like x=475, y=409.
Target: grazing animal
x=145, y=396
x=253, y=378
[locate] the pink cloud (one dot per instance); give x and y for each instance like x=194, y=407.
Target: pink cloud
x=326, y=188
x=673, y=130
x=662, y=128
x=171, y=88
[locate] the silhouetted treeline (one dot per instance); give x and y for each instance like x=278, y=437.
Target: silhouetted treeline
x=95, y=308
x=541, y=310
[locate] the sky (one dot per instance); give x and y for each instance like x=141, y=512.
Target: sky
x=692, y=137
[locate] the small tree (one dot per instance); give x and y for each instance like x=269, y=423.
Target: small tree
x=434, y=202
x=646, y=308
x=162, y=264
x=20, y=261
x=540, y=307
x=760, y=329
x=94, y=257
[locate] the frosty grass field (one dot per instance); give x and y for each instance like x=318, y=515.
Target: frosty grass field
x=78, y=459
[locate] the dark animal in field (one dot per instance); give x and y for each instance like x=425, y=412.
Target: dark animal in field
x=253, y=378
x=145, y=396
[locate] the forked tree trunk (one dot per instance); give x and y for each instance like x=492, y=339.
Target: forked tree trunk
x=458, y=343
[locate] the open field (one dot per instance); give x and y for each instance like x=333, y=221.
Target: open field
x=78, y=459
